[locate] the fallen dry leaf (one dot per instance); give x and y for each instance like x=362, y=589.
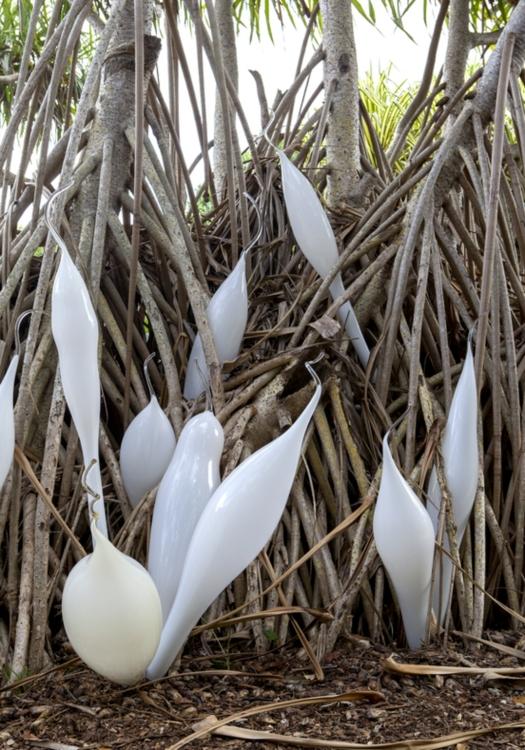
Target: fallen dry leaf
x=431, y=669
x=205, y=726
x=457, y=738
x=326, y=327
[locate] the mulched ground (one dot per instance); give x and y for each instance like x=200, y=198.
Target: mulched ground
x=72, y=708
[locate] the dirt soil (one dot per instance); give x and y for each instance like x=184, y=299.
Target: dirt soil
x=70, y=707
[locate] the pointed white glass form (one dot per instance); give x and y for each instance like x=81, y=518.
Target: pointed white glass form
x=461, y=464
x=147, y=447
x=227, y=316
x=7, y=420
x=404, y=537
x=237, y=522
x=7, y=416
x=192, y=477
x=316, y=239
x=111, y=612
x=75, y=330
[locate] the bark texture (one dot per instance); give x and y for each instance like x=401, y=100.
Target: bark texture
x=341, y=86
x=224, y=15
x=458, y=46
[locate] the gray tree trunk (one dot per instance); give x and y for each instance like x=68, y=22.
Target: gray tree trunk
x=224, y=15
x=116, y=110
x=341, y=85
x=458, y=46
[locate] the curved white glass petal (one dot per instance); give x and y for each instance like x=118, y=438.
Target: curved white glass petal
x=308, y=219
x=227, y=316
x=461, y=464
x=316, y=239
x=112, y=613
x=237, y=522
x=351, y=325
x=192, y=477
x=146, y=451
x=75, y=331
x=404, y=537
x=7, y=420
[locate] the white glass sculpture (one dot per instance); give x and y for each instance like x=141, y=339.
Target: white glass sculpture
x=147, y=447
x=192, y=477
x=112, y=614
x=7, y=420
x=461, y=464
x=75, y=331
x=404, y=537
x=316, y=239
x=227, y=316
x=237, y=522
x=7, y=417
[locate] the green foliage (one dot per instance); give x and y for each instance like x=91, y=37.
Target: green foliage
x=271, y=635
x=262, y=10
x=14, y=27
x=386, y=102
x=489, y=16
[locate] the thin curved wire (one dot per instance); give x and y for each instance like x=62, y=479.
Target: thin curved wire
x=311, y=371
x=259, y=223
x=89, y=490
x=395, y=424
x=207, y=388
x=471, y=333
x=147, y=375
x=19, y=322
x=266, y=136
x=47, y=217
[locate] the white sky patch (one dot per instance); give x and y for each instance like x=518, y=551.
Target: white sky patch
x=380, y=47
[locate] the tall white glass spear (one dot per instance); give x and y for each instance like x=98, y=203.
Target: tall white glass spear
x=192, y=477
x=227, y=315
x=7, y=419
x=75, y=330
x=237, y=522
x=316, y=239
x=404, y=537
x=461, y=465
x=147, y=447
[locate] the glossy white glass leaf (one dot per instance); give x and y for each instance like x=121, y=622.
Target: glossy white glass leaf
x=404, y=537
x=350, y=323
x=315, y=237
x=147, y=448
x=461, y=464
x=237, y=522
x=7, y=420
x=227, y=316
x=308, y=219
x=112, y=613
x=75, y=331
x=192, y=477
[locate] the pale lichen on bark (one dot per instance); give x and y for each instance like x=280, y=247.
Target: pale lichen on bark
x=341, y=85
x=224, y=15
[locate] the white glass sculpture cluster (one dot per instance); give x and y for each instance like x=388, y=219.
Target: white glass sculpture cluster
x=125, y=621
x=119, y=617
x=405, y=531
